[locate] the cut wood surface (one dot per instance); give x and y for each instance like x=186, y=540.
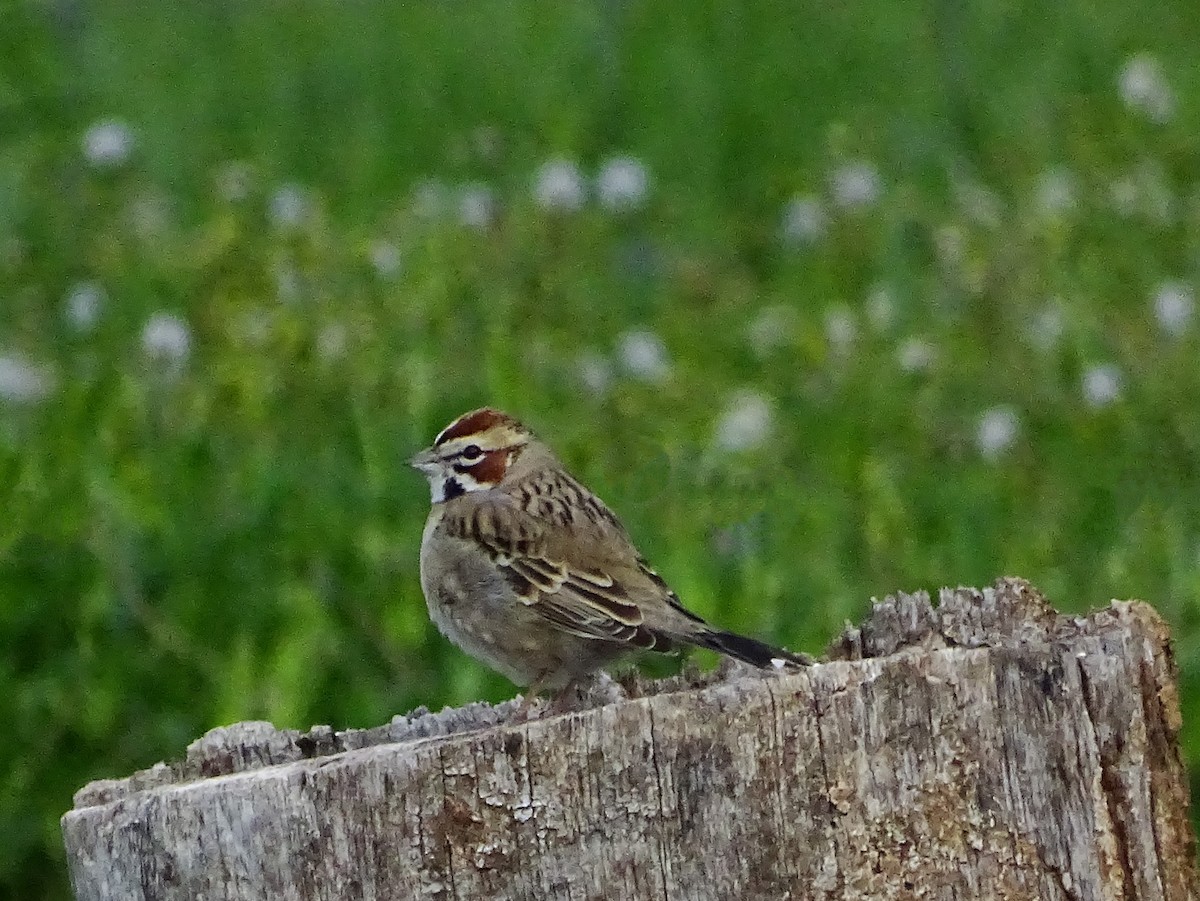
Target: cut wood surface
x=987, y=747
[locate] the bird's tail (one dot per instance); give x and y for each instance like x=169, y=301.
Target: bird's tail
x=751, y=650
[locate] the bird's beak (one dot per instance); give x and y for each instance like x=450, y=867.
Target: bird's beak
x=426, y=461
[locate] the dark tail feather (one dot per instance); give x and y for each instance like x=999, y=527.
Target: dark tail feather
x=751, y=650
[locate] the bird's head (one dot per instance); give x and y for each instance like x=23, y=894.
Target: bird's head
x=473, y=453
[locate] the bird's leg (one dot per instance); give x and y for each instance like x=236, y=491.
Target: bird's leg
x=524, y=708
x=528, y=699
x=562, y=702
x=564, y=699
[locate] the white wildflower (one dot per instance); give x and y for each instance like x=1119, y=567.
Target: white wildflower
x=881, y=308
x=746, y=422
x=476, y=205
x=804, y=220
x=771, y=328
x=840, y=328
x=256, y=326
x=643, y=355
x=1055, y=192
x=1174, y=305
x=331, y=342
x=978, y=202
x=22, y=381
x=1102, y=385
x=1145, y=192
x=233, y=181
x=595, y=373
x=290, y=207
x=916, y=355
x=1144, y=88
x=166, y=338
x=950, y=245
x=82, y=305
x=385, y=259
x=855, y=184
x=1125, y=196
x=559, y=186
x=1047, y=326
x=108, y=144
x=622, y=184
x=997, y=431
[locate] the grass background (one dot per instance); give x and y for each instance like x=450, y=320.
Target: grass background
x=234, y=535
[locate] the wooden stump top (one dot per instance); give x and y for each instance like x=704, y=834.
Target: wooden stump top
x=985, y=747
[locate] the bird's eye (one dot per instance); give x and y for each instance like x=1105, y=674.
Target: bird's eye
x=471, y=452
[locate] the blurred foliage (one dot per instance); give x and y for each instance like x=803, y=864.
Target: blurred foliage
x=252, y=257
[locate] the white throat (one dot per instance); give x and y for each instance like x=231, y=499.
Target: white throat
x=445, y=486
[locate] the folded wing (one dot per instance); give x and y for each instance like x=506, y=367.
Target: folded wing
x=578, y=599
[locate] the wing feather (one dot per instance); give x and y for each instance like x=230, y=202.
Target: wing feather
x=580, y=600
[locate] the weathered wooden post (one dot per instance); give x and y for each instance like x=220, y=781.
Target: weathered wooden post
x=984, y=748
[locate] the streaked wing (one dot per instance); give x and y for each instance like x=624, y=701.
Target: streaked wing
x=665, y=590
x=577, y=599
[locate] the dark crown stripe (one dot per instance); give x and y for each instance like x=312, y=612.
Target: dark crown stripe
x=473, y=423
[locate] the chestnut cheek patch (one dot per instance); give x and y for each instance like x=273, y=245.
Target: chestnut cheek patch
x=489, y=470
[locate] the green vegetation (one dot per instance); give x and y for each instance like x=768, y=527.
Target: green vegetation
x=907, y=301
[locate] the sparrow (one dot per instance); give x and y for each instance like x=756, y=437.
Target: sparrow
x=530, y=573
